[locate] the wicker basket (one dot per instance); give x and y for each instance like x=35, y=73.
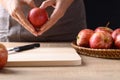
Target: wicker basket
x=100, y=53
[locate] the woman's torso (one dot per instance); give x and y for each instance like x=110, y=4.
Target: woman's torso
x=65, y=29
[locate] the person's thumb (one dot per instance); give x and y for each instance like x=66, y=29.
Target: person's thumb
x=47, y=3
x=31, y=4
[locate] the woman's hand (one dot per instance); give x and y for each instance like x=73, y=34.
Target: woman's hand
x=14, y=8
x=60, y=8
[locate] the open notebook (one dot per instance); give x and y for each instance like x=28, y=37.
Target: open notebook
x=45, y=56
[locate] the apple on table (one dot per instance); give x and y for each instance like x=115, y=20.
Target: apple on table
x=3, y=56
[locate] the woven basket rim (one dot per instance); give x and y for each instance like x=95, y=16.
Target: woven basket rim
x=79, y=47
x=100, y=53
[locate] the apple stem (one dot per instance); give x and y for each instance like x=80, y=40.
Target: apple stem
x=108, y=23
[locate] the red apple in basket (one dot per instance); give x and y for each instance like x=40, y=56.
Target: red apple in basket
x=37, y=17
x=115, y=33
x=3, y=56
x=83, y=37
x=101, y=40
x=106, y=29
x=117, y=41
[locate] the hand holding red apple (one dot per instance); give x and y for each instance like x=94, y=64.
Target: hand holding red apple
x=37, y=17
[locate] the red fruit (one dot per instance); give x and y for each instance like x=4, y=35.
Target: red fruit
x=117, y=41
x=3, y=56
x=101, y=40
x=83, y=37
x=115, y=33
x=37, y=17
x=105, y=29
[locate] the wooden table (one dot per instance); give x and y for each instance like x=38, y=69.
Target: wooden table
x=92, y=69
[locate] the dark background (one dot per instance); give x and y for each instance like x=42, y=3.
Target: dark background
x=99, y=12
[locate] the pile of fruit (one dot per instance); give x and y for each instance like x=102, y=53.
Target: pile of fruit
x=100, y=38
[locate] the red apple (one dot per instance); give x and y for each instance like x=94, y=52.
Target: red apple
x=37, y=17
x=83, y=37
x=101, y=40
x=117, y=41
x=3, y=56
x=106, y=29
x=115, y=33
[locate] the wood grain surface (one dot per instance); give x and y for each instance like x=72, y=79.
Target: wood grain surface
x=92, y=69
